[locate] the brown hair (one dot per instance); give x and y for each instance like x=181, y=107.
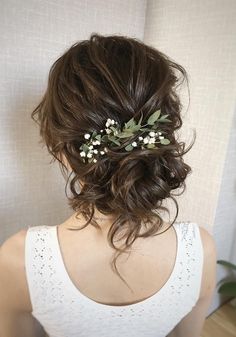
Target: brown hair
x=115, y=77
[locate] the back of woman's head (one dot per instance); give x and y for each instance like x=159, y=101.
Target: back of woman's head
x=119, y=78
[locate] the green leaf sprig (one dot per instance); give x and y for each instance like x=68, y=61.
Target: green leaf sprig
x=228, y=288
x=114, y=135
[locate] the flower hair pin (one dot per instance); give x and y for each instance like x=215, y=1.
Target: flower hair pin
x=113, y=135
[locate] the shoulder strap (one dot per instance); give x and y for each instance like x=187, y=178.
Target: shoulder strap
x=192, y=255
x=39, y=264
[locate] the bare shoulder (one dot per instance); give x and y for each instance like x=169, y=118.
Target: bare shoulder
x=209, y=246
x=12, y=249
x=12, y=272
x=207, y=240
x=209, y=262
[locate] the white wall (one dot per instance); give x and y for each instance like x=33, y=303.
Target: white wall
x=200, y=35
x=224, y=229
x=33, y=34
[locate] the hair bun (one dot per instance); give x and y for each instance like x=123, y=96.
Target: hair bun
x=112, y=77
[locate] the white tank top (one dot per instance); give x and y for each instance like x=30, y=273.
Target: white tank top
x=64, y=311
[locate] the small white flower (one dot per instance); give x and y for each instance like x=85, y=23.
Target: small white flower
x=108, y=131
x=152, y=134
x=140, y=138
x=87, y=136
x=82, y=154
x=102, y=130
x=108, y=122
x=102, y=152
x=161, y=137
x=105, y=149
x=91, y=147
x=95, y=151
x=96, y=142
x=152, y=140
x=94, y=160
x=134, y=144
x=89, y=155
x=146, y=140
x=159, y=133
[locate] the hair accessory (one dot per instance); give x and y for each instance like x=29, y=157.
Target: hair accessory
x=114, y=135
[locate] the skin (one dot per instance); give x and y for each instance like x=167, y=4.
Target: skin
x=148, y=257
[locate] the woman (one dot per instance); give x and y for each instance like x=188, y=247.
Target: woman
x=115, y=267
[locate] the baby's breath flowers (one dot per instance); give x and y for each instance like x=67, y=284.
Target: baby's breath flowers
x=113, y=134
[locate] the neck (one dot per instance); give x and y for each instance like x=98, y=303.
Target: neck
x=100, y=216
x=105, y=220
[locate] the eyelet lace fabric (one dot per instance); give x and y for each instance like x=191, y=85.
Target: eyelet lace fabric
x=64, y=311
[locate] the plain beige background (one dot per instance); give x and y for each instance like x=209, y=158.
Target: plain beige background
x=200, y=35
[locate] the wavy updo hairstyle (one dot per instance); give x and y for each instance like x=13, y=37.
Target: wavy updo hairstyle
x=115, y=77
